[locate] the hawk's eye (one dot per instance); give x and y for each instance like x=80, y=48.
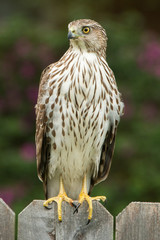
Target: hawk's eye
x=86, y=30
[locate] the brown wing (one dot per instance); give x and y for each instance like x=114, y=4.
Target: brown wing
x=106, y=157
x=42, y=146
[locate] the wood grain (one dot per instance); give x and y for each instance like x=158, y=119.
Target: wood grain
x=7, y=222
x=38, y=223
x=139, y=221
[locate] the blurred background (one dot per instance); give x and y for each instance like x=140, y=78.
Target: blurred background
x=33, y=34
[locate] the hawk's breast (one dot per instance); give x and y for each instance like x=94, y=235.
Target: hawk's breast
x=82, y=102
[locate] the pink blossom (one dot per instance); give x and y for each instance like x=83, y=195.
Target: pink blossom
x=157, y=71
x=149, y=57
x=44, y=53
x=28, y=152
x=27, y=70
x=11, y=193
x=32, y=94
x=7, y=194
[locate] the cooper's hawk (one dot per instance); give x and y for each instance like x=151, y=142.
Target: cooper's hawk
x=78, y=110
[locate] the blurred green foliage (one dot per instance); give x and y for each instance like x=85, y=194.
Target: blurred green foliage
x=26, y=48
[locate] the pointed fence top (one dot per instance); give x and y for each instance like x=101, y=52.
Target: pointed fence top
x=7, y=222
x=139, y=221
x=38, y=223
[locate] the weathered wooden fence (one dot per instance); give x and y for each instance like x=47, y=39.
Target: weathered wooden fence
x=138, y=221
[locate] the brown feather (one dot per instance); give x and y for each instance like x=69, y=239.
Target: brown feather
x=106, y=158
x=42, y=146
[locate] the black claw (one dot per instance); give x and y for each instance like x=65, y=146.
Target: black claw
x=49, y=206
x=88, y=221
x=74, y=205
x=76, y=210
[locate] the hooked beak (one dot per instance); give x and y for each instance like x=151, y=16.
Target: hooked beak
x=72, y=35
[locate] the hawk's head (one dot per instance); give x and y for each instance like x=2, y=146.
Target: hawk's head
x=88, y=35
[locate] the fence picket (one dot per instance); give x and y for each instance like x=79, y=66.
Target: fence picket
x=7, y=222
x=139, y=221
x=37, y=223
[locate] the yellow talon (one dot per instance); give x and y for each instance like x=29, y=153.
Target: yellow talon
x=62, y=196
x=84, y=196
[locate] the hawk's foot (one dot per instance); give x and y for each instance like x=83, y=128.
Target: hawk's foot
x=62, y=196
x=84, y=196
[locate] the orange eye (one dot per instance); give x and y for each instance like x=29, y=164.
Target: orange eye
x=86, y=30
